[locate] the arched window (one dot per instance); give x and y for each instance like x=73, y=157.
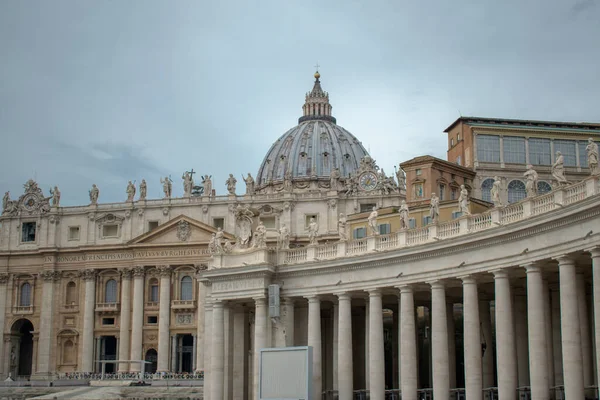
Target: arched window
x=71, y=297
x=68, y=352
x=110, y=291
x=543, y=187
x=25, y=295
x=153, y=293
x=186, y=288
x=516, y=191
x=486, y=189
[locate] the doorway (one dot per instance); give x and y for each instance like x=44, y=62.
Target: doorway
x=187, y=348
x=21, y=352
x=108, y=346
x=152, y=358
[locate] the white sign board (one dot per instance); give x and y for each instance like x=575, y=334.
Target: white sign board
x=285, y=373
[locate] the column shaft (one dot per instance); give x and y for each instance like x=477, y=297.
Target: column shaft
x=570, y=330
x=3, y=286
x=485, y=319
x=596, y=292
x=174, y=352
x=408, y=349
x=439, y=342
x=260, y=337
x=314, y=340
x=549, y=342
x=451, y=343
x=522, y=349
x=87, y=339
x=217, y=372
x=137, y=323
x=472, y=340
x=376, y=353
x=335, y=344
x=345, y=359
x=505, y=338
x=586, y=341
x=200, y=328
x=125, y=320
x=164, y=319
x=208, y=324
x=240, y=321
x=538, y=351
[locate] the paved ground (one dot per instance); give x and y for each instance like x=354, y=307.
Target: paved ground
x=104, y=393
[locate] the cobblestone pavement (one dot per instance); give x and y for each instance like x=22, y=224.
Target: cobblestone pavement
x=104, y=393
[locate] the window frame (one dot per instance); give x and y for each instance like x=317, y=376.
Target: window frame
x=184, y=291
x=35, y=233
x=113, y=291
x=71, y=229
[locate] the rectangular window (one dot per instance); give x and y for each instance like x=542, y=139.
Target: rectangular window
x=488, y=148
x=154, y=293
x=152, y=225
x=268, y=222
x=539, y=151
x=514, y=150
x=426, y=220
x=458, y=137
x=567, y=149
x=359, y=233
x=73, y=233
x=458, y=160
x=384, y=229
x=110, y=231
x=412, y=223
x=451, y=142
x=28, y=232
x=219, y=223
x=453, y=194
x=108, y=321
x=442, y=189
x=152, y=320
x=367, y=207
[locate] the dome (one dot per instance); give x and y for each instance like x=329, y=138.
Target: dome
x=313, y=148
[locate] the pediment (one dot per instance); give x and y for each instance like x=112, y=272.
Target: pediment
x=179, y=230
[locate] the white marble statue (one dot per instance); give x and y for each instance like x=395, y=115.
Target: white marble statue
x=434, y=208
x=495, y=192
x=212, y=244
x=249, y=184
x=231, y=182
x=342, y=222
x=558, y=170
x=143, y=189
x=207, y=183
x=334, y=179
x=401, y=178
x=94, y=193
x=404, y=215
x=592, y=157
x=219, y=240
x=167, y=186
x=260, y=236
x=130, y=191
x=313, y=231
x=5, y=201
x=284, y=237
x=228, y=246
x=55, y=196
x=373, y=222
x=463, y=201
x=188, y=184
x=531, y=177
x=287, y=182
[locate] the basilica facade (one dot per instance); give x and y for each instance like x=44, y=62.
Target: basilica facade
x=505, y=301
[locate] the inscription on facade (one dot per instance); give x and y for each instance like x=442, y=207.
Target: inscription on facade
x=228, y=286
x=142, y=254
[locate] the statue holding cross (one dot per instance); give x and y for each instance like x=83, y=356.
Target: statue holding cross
x=188, y=183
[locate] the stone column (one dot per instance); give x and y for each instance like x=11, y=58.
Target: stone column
x=345, y=359
x=538, y=350
x=125, y=320
x=335, y=342
x=194, y=351
x=47, y=338
x=556, y=336
x=505, y=339
x=451, y=343
x=87, y=338
x=260, y=337
x=487, y=355
x=570, y=330
x=367, y=341
x=586, y=341
x=522, y=349
x=408, y=345
x=549, y=342
x=164, y=318
x=314, y=340
x=137, y=324
x=217, y=353
x=240, y=321
x=199, y=354
x=208, y=323
x=472, y=339
x=288, y=323
x=3, y=285
x=376, y=351
x=595, y=253
x=174, y=340
x=439, y=342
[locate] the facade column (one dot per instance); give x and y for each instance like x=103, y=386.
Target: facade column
x=125, y=319
x=174, y=352
x=345, y=359
x=538, y=350
x=3, y=286
x=208, y=323
x=217, y=353
x=376, y=351
x=260, y=337
x=367, y=341
x=314, y=340
x=472, y=339
x=549, y=342
x=46, y=338
x=199, y=353
x=240, y=321
x=522, y=348
x=87, y=339
x=194, y=351
x=505, y=338
x=335, y=342
x=439, y=342
x=570, y=330
x=164, y=312
x=487, y=355
x=408, y=344
x=451, y=343
x=586, y=341
x=288, y=323
x=137, y=323
x=556, y=336
x=595, y=253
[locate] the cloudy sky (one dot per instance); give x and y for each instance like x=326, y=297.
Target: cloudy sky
x=109, y=91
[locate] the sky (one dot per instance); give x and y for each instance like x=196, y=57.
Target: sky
x=110, y=91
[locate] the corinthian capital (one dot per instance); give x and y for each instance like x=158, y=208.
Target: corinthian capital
x=125, y=273
x=164, y=270
x=88, y=274
x=50, y=276
x=139, y=270
x=3, y=278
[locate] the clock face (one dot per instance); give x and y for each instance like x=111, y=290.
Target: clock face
x=367, y=181
x=29, y=202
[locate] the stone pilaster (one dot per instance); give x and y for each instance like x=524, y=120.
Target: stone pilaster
x=505, y=338
x=439, y=342
x=376, y=351
x=538, y=350
x=200, y=328
x=125, y=320
x=137, y=323
x=87, y=340
x=408, y=344
x=47, y=337
x=472, y=339
x=260, y=337
x=345, y=358
x=314, y=340
x=208, y=323
x=164, y=319
x=595, y=253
